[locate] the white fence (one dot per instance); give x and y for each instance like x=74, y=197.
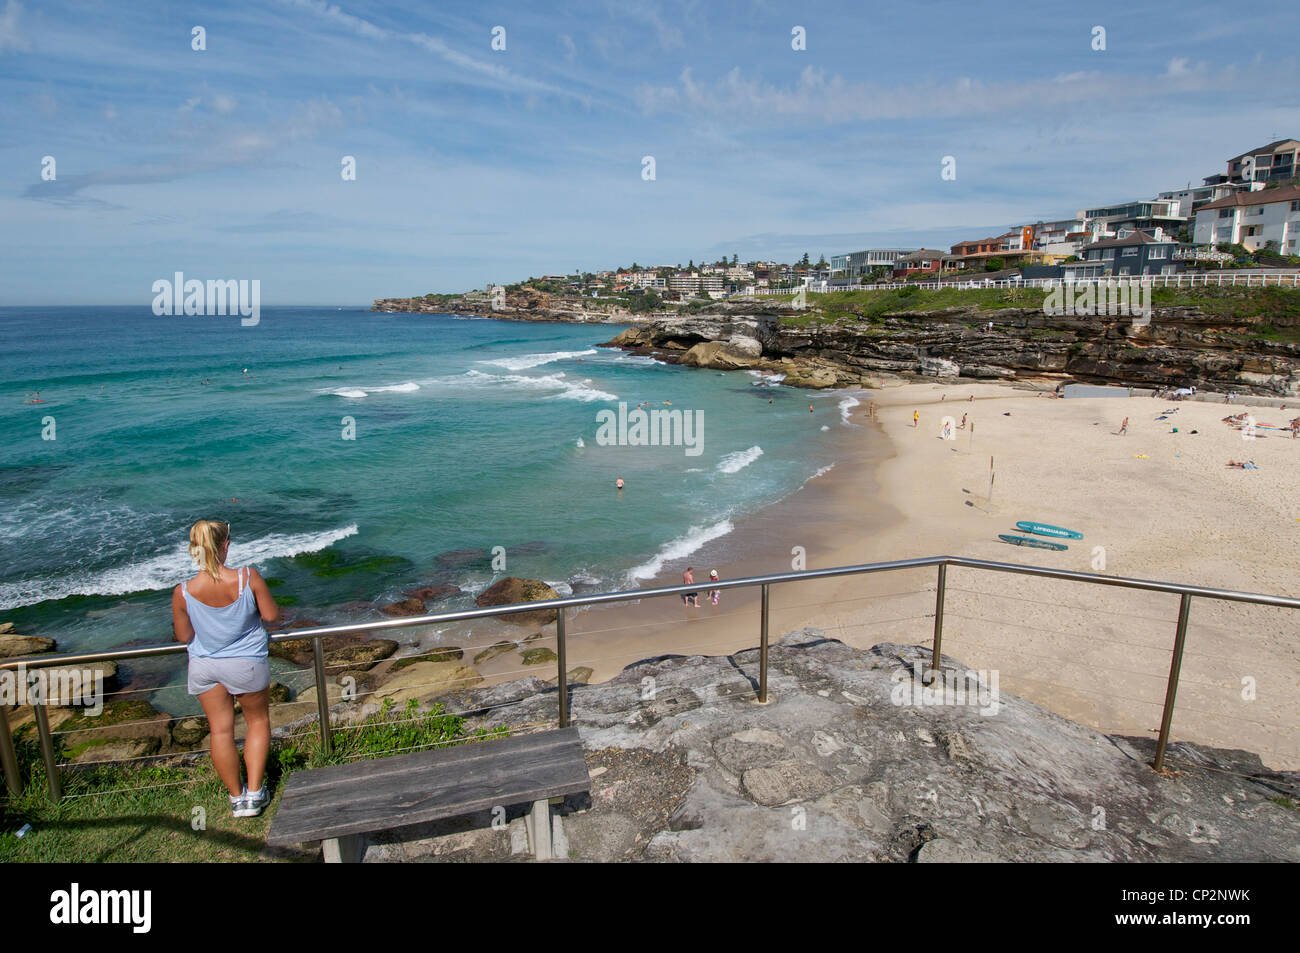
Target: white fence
x=1259, y=280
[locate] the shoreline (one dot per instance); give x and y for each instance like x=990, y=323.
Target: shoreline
x=1161, y=505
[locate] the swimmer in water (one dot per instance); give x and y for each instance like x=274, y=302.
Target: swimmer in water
x=810, y=410
x=619, y=483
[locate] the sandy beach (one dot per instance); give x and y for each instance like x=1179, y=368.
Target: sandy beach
x=1153, y=504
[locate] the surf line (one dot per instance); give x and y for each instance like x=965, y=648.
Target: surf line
x=658, y=428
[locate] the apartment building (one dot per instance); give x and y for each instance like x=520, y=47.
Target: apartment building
x=1142, y=215
x=1274, y=162
x=1253, y=219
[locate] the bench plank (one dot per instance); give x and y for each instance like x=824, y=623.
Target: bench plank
x=378, y=794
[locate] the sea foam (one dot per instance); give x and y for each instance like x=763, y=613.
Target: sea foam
x=164, y=570
x=680, y=548
x=734, y=462
x=526, y=361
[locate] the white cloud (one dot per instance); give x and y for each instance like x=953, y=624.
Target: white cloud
x=570, y=49
x=10, y=36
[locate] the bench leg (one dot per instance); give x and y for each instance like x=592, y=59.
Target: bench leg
x=539, y=829
x=343, y=850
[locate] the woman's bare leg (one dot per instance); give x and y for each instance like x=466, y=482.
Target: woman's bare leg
x=220, y=709
x=258, y=740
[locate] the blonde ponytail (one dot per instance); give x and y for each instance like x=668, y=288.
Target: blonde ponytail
x=206, y=537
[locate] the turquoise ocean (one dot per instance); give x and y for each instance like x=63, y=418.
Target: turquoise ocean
x=468, y=434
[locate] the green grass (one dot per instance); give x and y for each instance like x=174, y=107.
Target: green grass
x=848, y=306
x=173, y=812
x=1280, y=306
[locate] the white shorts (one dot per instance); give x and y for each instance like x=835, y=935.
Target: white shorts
x=239, y=675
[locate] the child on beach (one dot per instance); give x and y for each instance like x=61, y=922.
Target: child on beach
x=220, y=616
x=714, y=593
x=916, y=419
x=1123, y=428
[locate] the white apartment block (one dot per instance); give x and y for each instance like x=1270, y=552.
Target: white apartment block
x=1252, y=219
x=647, y=279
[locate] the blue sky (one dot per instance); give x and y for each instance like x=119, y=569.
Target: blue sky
x=475, y=165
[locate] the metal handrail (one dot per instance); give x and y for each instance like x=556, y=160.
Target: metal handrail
x=317, y=633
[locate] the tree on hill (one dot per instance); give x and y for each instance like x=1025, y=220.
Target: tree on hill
x=804, y=260
x=994, y=264
x=734, y=259
x=821, y=261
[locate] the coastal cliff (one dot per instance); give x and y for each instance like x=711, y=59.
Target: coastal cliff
x=1179, y=347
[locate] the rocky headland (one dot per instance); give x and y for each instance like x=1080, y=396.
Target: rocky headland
x=1180, y=347
x=686, y=766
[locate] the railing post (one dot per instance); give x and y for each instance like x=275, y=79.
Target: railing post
x=938, y=616
x=322, y=696
x=563, y=682
x=1171, y=690
x=762, y=651
x=47, y=749
x=8, y=758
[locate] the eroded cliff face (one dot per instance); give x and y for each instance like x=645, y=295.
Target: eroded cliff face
x=1179, y=347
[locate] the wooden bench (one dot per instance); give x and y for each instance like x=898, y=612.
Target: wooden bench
x=337, y=804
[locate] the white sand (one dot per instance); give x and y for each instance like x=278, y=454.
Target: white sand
x=1162, y=506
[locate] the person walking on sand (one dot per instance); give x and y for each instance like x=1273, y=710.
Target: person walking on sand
x=688, y=579
x=220, y=615
x=1123, y=428
x=916, y=419
x=714, y=593
x=963, y=422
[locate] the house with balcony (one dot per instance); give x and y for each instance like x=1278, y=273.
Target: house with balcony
x=1253, y=220
x=1134, y=253
x=1142, y=215
x=1010, y=246
x=1275, y=162
x=859, y=264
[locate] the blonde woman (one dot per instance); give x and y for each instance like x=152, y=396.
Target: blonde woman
x=219, y=614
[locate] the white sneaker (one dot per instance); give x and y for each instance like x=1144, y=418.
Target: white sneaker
x=237, y=803
x=253, y=804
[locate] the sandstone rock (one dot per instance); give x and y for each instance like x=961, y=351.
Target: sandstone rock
x=346, y=651
x=407, y=607
x=720, y=356
x=493, y=650
x=15, y=646
x=513, y=590
x=77, y=684
x=539, y=656
x=188, y=732
x=425, y=680
x=123, y=729
x=6, y=628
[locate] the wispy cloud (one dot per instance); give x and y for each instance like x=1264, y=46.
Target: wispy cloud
x=469, y=67
x=817, y=96
x=11, y=36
